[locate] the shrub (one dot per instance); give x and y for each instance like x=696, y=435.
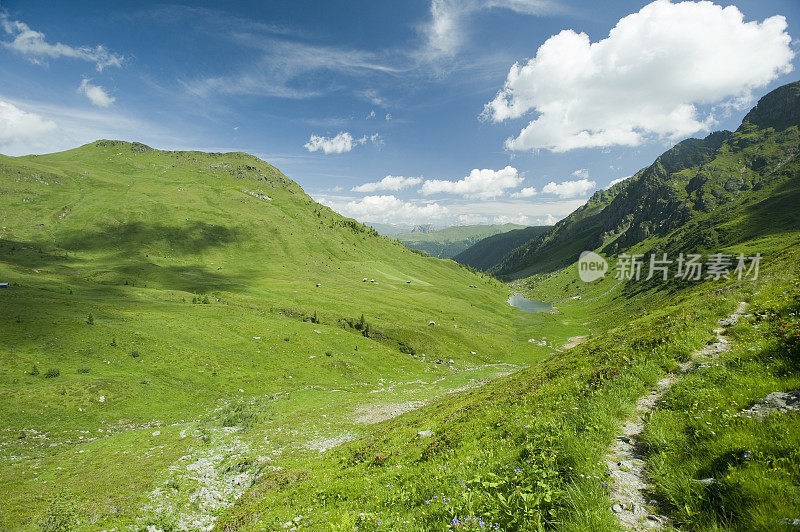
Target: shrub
x=83, y=370
x=34, y=370
x=113, y=342
x=240, y=415
x=133, y=354
x=90, y=319
x=61, y=516
x=51, y=373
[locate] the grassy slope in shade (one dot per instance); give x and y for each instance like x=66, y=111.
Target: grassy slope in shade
x=486, y=253
x=172, y=291
x=449, y=242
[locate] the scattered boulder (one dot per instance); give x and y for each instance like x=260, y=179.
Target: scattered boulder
x=775, y=402
x=425, y=433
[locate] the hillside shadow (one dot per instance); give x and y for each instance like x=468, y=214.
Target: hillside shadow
x=30, y=254
x=192, y=237
x=775, y=214
x=133, y=253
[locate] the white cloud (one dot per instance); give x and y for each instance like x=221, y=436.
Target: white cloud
x=371, y=115
x=548, y=220
x=615, y=181
x=444, y=34
x=472, y=219
x=481, y=184
x=388, y=117
x=390, y=182
x=389, y=209
x=519, y=219
x=341, y=143
x=581, y=173
x=645, y=79
x=569, y=189
x=526, y=192
x=18, y=127
x=33, y=44
x=96, y=94
x=288, y=70
x=375, y=139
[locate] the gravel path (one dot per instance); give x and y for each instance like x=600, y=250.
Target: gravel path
x=626, y=464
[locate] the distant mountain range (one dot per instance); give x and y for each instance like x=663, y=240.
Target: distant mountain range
x=449, y=242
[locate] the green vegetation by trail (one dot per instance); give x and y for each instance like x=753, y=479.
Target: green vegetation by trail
x=449, y=242
x=711, y=461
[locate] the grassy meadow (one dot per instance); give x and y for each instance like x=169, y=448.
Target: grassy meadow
x=190, y=342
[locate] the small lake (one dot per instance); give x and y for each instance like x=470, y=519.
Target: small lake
x=529, y=305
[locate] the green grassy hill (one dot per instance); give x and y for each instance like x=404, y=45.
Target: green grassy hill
x=170, y=307
x=449, y=242
x=486, y=253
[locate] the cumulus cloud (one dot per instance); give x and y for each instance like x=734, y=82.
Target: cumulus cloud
x=645, y=79
x=519, y=219
x=390, y=182
x=569, y=189
x=96, y=94
x=18, y=126
x=390, y=209
x=33, y=44
x=341, y=143
x=479, y=184
x=526, y=192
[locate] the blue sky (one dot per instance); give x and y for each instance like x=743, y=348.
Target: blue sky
x=340, y=95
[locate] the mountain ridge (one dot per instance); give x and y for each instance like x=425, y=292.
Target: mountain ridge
x=688, y=181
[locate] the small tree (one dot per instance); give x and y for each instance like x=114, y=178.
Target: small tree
x=205, y=300
x=90, y=319
x=113, y=342
x=34, y=370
